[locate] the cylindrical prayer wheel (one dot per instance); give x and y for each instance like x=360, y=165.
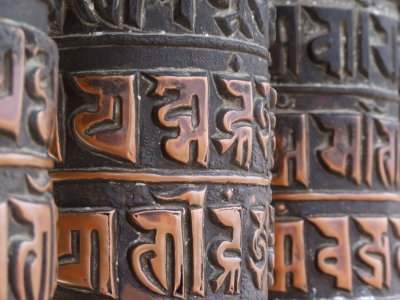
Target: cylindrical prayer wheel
x=28, y=81
x=165, y=141
x=337, y=178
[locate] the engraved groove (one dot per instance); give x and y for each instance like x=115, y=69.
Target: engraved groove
x=188, y=41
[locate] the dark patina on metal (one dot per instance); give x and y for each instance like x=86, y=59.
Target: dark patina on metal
x=28, y=81
x=164, y=146
x=337, y=178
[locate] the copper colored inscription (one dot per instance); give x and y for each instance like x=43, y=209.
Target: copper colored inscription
x=86, y=245
x=242, y=135
x=109, y=127
x=4, y=251
x=337, y=228
x=291, y=143
x=395, y=221
x=37, y=187
x=196, y=201
x=193, y=97
x=265, y=119
x=377, y=229
x=259, y=247
x=165, y=223
x=387, y=153
x=33, y=257
x=55, y=150
x=346, y=140
x=12, y=58
x=229, y=217
x=290, y=232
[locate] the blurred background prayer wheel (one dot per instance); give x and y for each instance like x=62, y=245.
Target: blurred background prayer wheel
x=164, y=146
x=336, y=185
x=28, y=81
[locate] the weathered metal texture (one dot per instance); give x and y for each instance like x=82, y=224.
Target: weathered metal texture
x=336, y=185
x=164, y=146
x=28, y=80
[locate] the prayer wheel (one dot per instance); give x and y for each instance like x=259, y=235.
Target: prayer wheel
x=335, y=65
x=164, y=144
x=28, y=89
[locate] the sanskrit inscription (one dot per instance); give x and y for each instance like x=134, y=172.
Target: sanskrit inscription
x=109, y=125
x=85, y=247
x=333, y=255
x=343, y=38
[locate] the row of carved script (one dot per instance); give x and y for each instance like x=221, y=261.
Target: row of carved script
x=356, y=144
x=85, y=228
x=335, y=49
x=334, y=258
x=109, y=127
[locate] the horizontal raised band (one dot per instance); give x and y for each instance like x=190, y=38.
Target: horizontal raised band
x=25, y=160
x=162, y=40
x=337, y=196
x=148, y=177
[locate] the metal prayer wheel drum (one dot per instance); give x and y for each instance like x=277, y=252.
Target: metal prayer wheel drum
x=164, y=145
x=28, y=81
x=336, y=179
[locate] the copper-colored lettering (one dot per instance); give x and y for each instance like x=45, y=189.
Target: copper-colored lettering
x=229, y=217
x=37, y=187
x=264, y=119
x=32, y=257
x=293, y=232
x=385, y=53
x=286, y=49
x=396, y=226
x=55, y=150
x=291, y=142
x=338, y=229
x=195, y=200
x=369, y=151
x=193, y=96
x=345, y=130
x=77, y=264
x=398, y=151
x=165, y=223
x=364, y=45
x=386, y=155
x=12, y=59
x=377, y=229
x=110, y=126
x=41, y=83
x=3, y=251
x=327, y=48
x=257, y=263
x=242, y=135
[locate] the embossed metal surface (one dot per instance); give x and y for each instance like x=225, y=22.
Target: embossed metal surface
x=337, y=175
x=164, y=149
x=28, y=81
